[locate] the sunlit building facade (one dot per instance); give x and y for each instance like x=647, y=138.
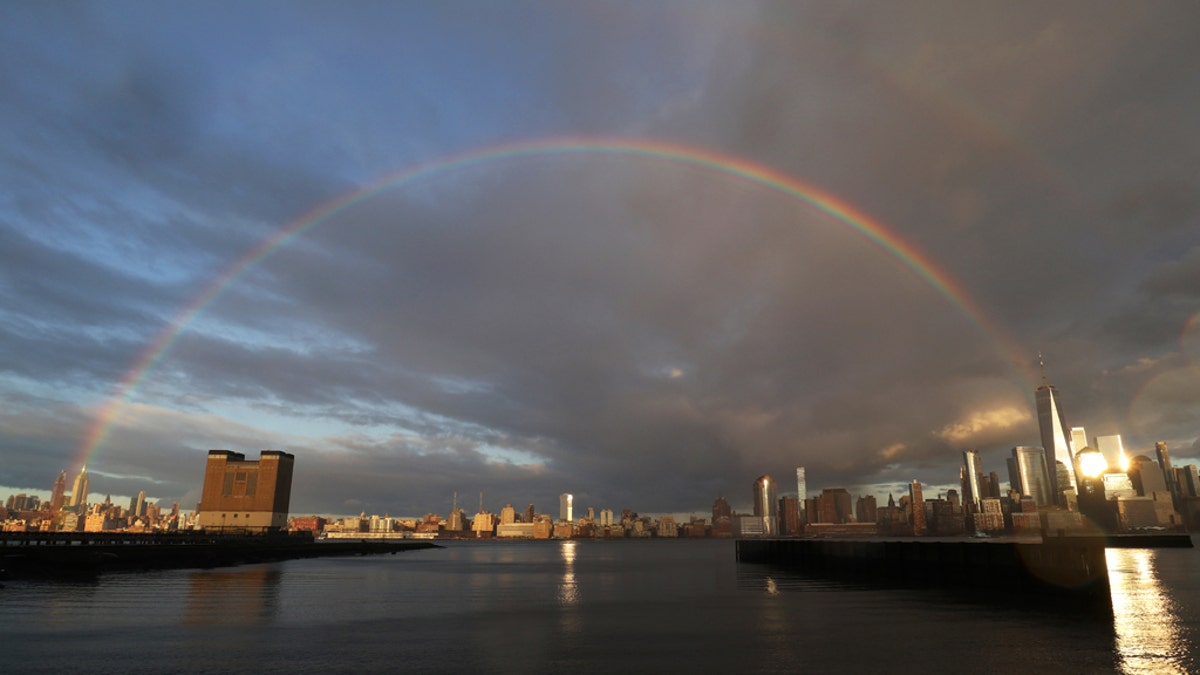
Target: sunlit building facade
x=1028, y=474
x=79, y=492
x=566, y=507
x=249, y=495
x=1055, y=442
x=971, y=476
x=765, y=503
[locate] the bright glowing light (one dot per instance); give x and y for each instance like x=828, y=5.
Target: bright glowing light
x=1124, y=459
x=1092, y=463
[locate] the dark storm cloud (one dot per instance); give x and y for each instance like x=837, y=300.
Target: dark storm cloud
x=640, y=332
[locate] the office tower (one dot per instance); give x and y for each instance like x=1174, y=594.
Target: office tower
x=1187, y=479
x=251, y=495
x=801, y=491
x=765, y=503
x=916, y=502
x=866, y=510
x=139, y=507
x=1146, y=476
x=529, y=513
x=1113, y=451
x=1164, y=462
x=1055, y=441
x=992, y=489
x=508, y=515
x=60, y=489
x=566, y=507
x=1031, y=479
x=79, y=492
x=1078, y=439
x=971, y=475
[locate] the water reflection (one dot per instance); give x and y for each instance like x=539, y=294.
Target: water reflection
x=246, y=596
x=568, y=588
x=1145, y=617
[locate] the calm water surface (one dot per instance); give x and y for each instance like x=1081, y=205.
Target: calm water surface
x=583, y=606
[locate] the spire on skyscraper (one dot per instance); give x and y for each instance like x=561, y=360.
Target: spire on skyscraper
x=1056, y=441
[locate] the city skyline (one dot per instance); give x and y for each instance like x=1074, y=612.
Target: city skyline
x=702, y=243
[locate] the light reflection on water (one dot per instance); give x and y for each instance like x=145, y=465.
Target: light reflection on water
x=1145, y=616
x=568, y=588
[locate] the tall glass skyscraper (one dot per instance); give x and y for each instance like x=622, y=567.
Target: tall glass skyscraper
x=1055, y=441
x=1031, y=475
x=766, y=504
x=971, y=477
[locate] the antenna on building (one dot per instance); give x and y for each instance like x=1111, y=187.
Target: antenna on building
x=481, y=501
x=1042, y=364
x=455, y=507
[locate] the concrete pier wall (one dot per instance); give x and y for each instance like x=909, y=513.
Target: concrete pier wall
x=1067, y=566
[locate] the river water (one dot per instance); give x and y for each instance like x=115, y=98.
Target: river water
x=651, y=606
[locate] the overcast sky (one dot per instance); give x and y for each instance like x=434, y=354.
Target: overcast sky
x=642, y=330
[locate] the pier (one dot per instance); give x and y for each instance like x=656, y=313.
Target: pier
x=1071, y=567
x=35, y=554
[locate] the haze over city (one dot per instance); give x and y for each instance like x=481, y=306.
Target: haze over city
x=642, y=253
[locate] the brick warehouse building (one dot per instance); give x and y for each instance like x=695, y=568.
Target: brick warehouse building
x=246, y=495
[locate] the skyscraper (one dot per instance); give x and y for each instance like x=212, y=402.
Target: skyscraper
x=916, y=501
x=721, y=509
x=566, y=507
x=1055, y=442
x=79, y=492
x=765, y=504
x=971, y=474
x=1030, y=474
x=801, y=491
x=1164, y=462
x=60, y=489
x=1078, y=439
x=1113, y=451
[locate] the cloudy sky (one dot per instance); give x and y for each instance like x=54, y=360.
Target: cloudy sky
x=531, y=248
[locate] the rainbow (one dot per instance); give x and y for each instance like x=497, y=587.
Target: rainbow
x=729, y=165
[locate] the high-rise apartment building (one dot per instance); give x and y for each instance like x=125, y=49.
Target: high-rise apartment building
x=789, y=516
x=1055, y=441
x=508, y=515
x=250, y=495
x=566, y=507
x=971, y=476
x=765, y=504
x=1027, y=471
